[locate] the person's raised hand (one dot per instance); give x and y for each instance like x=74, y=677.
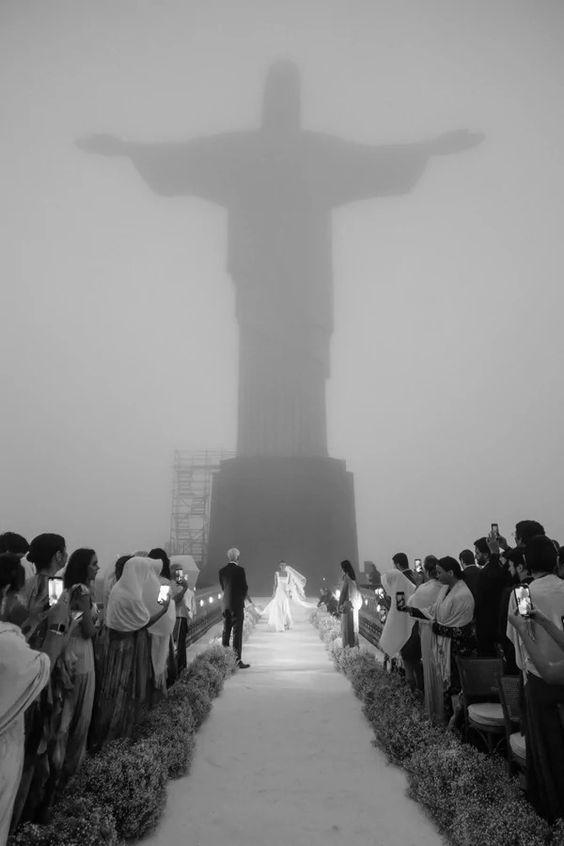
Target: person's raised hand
x=103, y=145
x=537, y=615
x=518, y=621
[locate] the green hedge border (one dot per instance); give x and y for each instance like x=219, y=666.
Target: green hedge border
x=467, y=793
x=119, y=792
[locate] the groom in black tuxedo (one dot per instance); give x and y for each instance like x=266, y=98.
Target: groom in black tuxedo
x=233, y=583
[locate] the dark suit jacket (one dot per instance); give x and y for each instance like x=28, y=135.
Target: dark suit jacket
x=472, y=579
x=234, y=586
x=493, y=578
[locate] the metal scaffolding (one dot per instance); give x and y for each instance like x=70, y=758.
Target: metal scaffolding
x=191, y=501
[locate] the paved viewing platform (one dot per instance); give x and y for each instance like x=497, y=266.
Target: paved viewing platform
x=286, y=759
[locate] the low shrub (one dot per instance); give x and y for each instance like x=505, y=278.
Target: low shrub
x=76, y=822
x=222, y=659
x=205, y=676
x=467, y=793
x=200, y=702
x=171, y=724
x=130, y=779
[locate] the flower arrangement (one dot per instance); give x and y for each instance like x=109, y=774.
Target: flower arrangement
x=467, y=793
x=119, y=792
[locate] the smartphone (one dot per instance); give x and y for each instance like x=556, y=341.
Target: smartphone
x=418, y=567
x=523, y=598
x=164, y=593
x=55, y=589
x=400, y=600
x=495, y=530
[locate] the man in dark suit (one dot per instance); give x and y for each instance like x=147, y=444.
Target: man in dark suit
x=471, y=572
x=233, y=583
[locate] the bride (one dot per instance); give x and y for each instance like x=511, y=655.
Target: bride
x=288, y=596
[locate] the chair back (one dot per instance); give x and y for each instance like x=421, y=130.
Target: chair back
x=510, y=698
x=479, y=678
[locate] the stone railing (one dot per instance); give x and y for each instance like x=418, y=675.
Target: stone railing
x=208, y=613
x=372, y=615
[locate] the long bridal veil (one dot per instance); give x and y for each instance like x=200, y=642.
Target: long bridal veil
x=289, y=603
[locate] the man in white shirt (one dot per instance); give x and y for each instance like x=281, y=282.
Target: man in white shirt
x=544, y=730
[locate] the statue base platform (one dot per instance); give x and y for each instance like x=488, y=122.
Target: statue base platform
x=300, y=510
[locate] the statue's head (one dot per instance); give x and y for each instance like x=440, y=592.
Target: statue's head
x=281, y=104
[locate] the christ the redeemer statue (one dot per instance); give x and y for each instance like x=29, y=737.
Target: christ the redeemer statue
x=279, y=184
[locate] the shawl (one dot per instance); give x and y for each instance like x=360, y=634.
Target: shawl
x=425, y=596
x=454, y=608
x=127, y=611
x=398, y=625
x=24, y=673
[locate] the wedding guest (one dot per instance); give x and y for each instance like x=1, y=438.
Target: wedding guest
x=124, y=686
x=17, y=545
x=350, y=601
x=112, y=577
x=471, y=571
x=162, y=650
x=543, y=698
x=13, y=610
x=493, y=579
x=48, y=552
x=426, y=596
x=184, y=601
x=520, y=574
x=401, y=563
x=453, y=632
x=560, y=563
x=78, y=700
x=25, y=672
x=398, y=626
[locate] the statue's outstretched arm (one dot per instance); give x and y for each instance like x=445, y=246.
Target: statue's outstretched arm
x=454, y=142
x=103, y=145
x=352, y=171
x=204, y=167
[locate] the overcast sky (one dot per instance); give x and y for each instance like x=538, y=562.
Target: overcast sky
x=119, y=340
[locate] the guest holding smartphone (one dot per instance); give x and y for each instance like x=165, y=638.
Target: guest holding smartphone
x=538, y=651
x=126, y=681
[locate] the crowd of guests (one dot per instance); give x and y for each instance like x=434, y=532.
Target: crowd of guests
x=468, y=607
x=74, y=676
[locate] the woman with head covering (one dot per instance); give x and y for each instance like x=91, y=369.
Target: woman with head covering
x=125, y=682
x=398, y=626
x=161, y=631
x=24, y=673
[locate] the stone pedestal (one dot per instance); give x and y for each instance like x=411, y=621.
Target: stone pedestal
x=300, y=510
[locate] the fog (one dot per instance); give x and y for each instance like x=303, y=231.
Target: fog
x=119, y=341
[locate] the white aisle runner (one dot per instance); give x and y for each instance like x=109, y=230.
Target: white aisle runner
x=286, y=759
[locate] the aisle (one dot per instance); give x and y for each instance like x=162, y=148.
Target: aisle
x=286, y=759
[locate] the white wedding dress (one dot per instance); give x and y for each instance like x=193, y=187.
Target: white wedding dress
x=288, y=603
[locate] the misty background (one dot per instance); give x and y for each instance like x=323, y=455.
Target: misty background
x=119, y=340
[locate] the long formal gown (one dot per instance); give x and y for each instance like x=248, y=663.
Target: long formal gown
x=278, y=609
x=289, y=603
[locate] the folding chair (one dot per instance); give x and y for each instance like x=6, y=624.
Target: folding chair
x=510, y=691
x=483, y=712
